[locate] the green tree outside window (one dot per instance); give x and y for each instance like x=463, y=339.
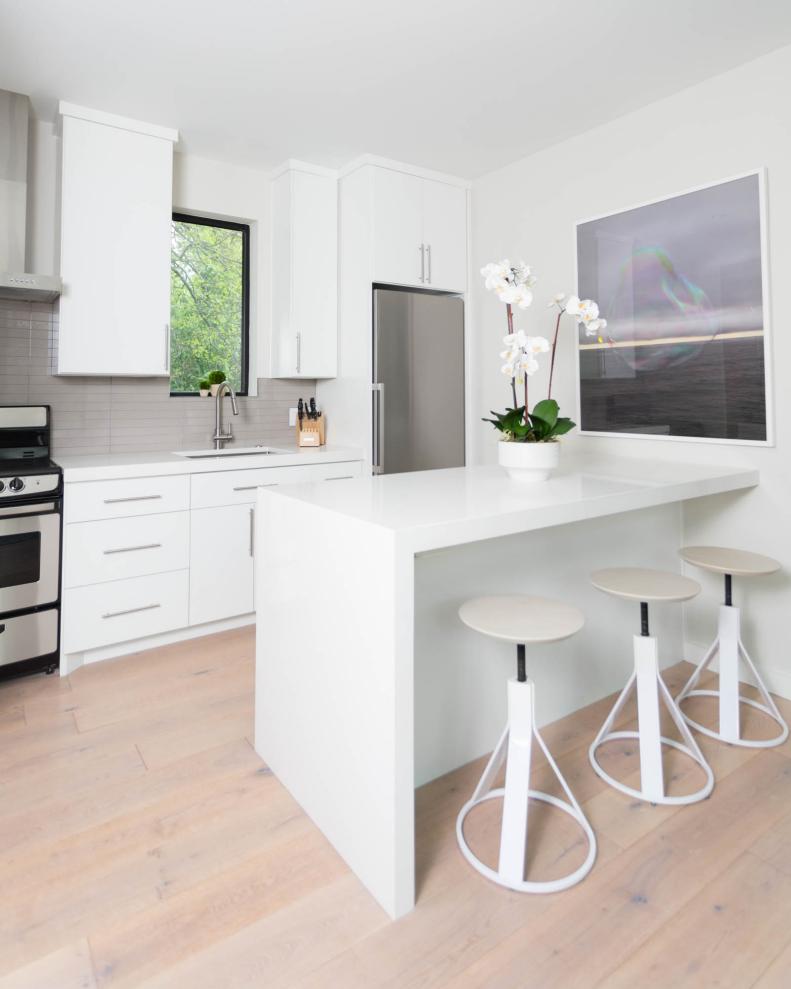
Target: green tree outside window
x=208, y=302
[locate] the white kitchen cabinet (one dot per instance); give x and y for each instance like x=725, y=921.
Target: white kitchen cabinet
x=399, y=249
x=419, y=231
x=116, y=207
x=445, y=235
x=221, y=563
x=304, y=272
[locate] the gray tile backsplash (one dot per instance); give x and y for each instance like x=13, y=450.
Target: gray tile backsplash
x=115, y=415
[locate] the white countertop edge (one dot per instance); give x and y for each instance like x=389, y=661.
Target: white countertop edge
x=114, y=466
x=440, y=533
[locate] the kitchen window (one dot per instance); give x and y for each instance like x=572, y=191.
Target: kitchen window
x=209, y=302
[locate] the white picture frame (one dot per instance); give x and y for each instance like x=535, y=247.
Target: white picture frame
x=769, y=440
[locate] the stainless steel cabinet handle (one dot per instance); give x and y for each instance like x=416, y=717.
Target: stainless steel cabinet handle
x=379, y=427
x=422, y=262
x=132, y=549
x=299, y=352
x=345, y=477
x=428, y=263
x=118, y=501
x=254, y=487
x=131, y=611
x=252, y=532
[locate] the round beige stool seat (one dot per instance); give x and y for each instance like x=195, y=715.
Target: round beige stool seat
x=730, y=650
x=737, y=562
x=522, y=618
x=639, y=584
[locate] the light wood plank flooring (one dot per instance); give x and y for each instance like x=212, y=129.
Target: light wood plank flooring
x=143, y=843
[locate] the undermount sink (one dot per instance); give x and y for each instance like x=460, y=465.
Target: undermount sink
x=250, y=451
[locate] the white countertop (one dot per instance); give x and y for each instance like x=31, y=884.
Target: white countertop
x=432, y=509
x=106, y=466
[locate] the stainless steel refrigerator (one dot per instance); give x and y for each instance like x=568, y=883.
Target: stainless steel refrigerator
x=418, y=381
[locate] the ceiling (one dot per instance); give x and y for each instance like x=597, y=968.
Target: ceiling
x=464, y=86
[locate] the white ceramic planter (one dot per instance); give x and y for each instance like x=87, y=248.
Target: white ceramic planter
x=528, y=462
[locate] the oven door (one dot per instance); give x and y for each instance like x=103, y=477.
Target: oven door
x=29, y=555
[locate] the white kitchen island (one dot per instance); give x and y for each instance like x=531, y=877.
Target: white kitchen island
x=367, y=684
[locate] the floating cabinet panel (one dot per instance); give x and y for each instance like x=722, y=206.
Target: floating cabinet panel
x=116, y=204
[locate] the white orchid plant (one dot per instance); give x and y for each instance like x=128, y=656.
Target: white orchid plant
x=513, y=284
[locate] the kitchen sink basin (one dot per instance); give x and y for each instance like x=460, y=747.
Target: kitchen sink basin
x=250, y=451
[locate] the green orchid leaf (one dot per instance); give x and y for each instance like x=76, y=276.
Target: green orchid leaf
x=547, y=411
x=563, y=426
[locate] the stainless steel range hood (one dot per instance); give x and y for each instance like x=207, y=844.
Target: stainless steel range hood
x=15, y=281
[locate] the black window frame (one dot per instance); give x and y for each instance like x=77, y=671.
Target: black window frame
x=244, y=229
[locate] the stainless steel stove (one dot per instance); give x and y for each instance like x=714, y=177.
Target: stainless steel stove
x=30, y=542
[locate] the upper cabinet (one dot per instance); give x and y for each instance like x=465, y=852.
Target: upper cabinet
x=116, y=207
x=304, y=272
x=419, y=231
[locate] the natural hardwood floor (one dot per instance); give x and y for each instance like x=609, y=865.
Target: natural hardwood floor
x=143, y=843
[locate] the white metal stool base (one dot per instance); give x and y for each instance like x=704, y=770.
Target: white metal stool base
x=730, y=648
x=526, y=885
x=515, y=746
x=650, y=688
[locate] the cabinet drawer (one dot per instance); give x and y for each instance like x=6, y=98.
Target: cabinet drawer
x=113, y=549
x=124, y=609
x=89, y=500
x=238, y=487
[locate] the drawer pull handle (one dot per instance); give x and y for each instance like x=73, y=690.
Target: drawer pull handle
x=344, y=477
x=252, y=487
x=117, y=501
x=131, y=611
x=131, y=549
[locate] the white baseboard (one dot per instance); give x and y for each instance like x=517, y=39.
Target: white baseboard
x=777, y=681
x=70, y=662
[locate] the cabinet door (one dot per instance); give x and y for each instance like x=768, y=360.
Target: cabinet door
x=445, y=235
x=115, y=251
x=398, y=228
x=221, y=563
x=314, y=256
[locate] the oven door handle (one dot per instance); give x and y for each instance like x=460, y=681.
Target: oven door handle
x=42, y=508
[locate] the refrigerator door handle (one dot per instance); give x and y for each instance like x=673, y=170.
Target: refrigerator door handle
x=378, y=391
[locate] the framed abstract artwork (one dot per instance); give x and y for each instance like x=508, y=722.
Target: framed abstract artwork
x=682, y=283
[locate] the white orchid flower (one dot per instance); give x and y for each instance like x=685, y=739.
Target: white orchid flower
x=556, y=300
x=509, y=369
x=517, y=340
x=497, y=274
x=516, y=295
x=573, y=306
x=536, y=345
x=593, y=326
x=527, y=364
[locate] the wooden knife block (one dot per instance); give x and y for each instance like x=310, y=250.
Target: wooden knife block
x=311, y=433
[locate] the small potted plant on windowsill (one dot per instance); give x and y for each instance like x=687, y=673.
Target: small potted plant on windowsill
x=215, y=379
x=204, y=387
x=529, y=449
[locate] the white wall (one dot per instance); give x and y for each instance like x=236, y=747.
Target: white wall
x=730, y=124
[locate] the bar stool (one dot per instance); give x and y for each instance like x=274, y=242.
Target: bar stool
x=521, y=619
x=729, y=647
x=636, y=584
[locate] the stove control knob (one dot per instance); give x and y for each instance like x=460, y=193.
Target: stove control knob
x=2, y=486
x=16, y=484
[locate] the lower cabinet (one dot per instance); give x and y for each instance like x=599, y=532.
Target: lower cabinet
x=143, y=556
x=120, y=610
x=221, y=563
